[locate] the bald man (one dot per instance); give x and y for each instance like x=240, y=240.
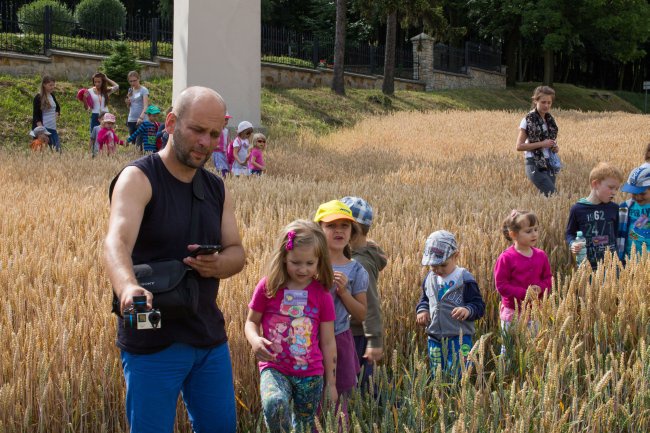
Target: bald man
x=150, y=220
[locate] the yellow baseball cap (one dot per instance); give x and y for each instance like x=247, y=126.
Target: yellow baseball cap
x=333, y=210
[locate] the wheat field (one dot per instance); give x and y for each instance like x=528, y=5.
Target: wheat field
x=586, y=370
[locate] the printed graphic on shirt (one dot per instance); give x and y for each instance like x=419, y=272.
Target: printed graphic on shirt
x=599, y=233
x=291, y=331
x=639, y=232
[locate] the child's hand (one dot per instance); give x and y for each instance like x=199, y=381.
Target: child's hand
x=341, y=281
x=374, y=354
x=259, y=346
x=576, y=247
x=423, y=318
x=460, y=313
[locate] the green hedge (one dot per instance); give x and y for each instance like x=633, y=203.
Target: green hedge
x=31, y=17
x=286, y=60
x=108, y=14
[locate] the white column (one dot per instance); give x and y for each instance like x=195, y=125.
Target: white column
x=217, y=45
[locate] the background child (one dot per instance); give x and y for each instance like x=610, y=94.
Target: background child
x=148, y=130
x=137, y=100
x=106, y=137
x=450, y=303
x=94, y=135
x=351, y=284
x=634, y=214
x=256, y=158
x=240, y=146
x=46, y=111
x=295, y=311
x=41, y=138
x=368, y=335
x=596, y=216
x=521, y=266
x=219, y=157
x=99, y=94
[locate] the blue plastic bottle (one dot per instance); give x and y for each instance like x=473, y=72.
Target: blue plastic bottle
x=582, y=254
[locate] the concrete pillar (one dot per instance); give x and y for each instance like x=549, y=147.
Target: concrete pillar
x=217, y=45
x=423, y=54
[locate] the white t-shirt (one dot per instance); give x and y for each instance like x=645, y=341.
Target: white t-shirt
x=49, y=114
x=528, y=153
x=99, y=102
x=137, y=103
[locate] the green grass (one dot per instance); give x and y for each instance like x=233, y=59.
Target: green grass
x=288, y=111
x=285, y=60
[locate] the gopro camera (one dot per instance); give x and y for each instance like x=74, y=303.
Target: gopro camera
x=138, y=317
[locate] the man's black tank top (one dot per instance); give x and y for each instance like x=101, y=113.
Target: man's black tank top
x=165, y=234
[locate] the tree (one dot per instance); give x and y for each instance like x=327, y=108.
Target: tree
x=338, y=80
x=501, y=20
x=617, y=30
x=555, y=22
x=388, y=85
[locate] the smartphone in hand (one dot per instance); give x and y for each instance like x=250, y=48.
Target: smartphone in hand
x=205, y=249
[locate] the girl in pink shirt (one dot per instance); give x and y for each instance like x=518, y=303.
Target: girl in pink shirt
x=294, y=310
x=256, y=158
x=521, y=266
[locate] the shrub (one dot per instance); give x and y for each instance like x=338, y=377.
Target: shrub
x=119, y=63
x=31, y=17
x=107, y=16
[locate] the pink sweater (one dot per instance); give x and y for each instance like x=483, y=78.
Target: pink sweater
x=514, y=272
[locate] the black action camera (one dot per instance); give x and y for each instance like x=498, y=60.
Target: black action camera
x=138, y=317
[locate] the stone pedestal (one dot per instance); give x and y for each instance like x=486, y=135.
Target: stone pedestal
x=217, y=45
x=423, y=54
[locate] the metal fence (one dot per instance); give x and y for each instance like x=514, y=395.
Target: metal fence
x=151, y=37
x=303, y=49
x=450, y=59
x=147, y=37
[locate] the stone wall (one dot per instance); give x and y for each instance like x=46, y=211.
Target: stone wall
x=78, y=66
x=475, y=77
x=71, y=66
x=275, y=75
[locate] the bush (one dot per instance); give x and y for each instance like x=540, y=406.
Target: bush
x=31, y=17
x=105, y=16
x=120, y=63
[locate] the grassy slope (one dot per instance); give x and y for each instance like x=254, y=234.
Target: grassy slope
x=285, y=111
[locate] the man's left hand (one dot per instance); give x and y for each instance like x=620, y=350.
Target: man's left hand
x=207, y=265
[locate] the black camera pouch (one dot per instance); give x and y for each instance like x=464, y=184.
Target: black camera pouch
x=173, y=284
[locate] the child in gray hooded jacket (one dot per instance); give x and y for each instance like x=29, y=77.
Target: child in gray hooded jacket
x=450, y=303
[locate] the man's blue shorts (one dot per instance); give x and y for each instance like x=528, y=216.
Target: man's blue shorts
x=203, y=376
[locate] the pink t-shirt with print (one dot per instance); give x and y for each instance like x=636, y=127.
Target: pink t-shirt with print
x=291, y=321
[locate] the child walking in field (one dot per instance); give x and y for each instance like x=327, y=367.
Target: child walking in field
x=369, y=334
x=256, y=158
x=596, y=215
x=521, y=266
x=450, y=303
x=634, y=213
x=219, y=157
x=147, y=132
x=240, y=149
x=106, y=137
x=349, y=291
x=295, y=311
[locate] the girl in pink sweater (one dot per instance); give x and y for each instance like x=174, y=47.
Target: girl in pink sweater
x=521, y=266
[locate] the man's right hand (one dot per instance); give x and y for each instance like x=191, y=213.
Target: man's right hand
x=126, y=297
x=423, y=318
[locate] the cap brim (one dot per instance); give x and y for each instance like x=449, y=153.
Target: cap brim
x=336, y=216
x=634, y=189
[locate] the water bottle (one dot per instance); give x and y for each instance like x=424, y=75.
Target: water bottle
x=582, y=254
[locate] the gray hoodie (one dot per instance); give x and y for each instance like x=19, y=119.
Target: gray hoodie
x=373, y=259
